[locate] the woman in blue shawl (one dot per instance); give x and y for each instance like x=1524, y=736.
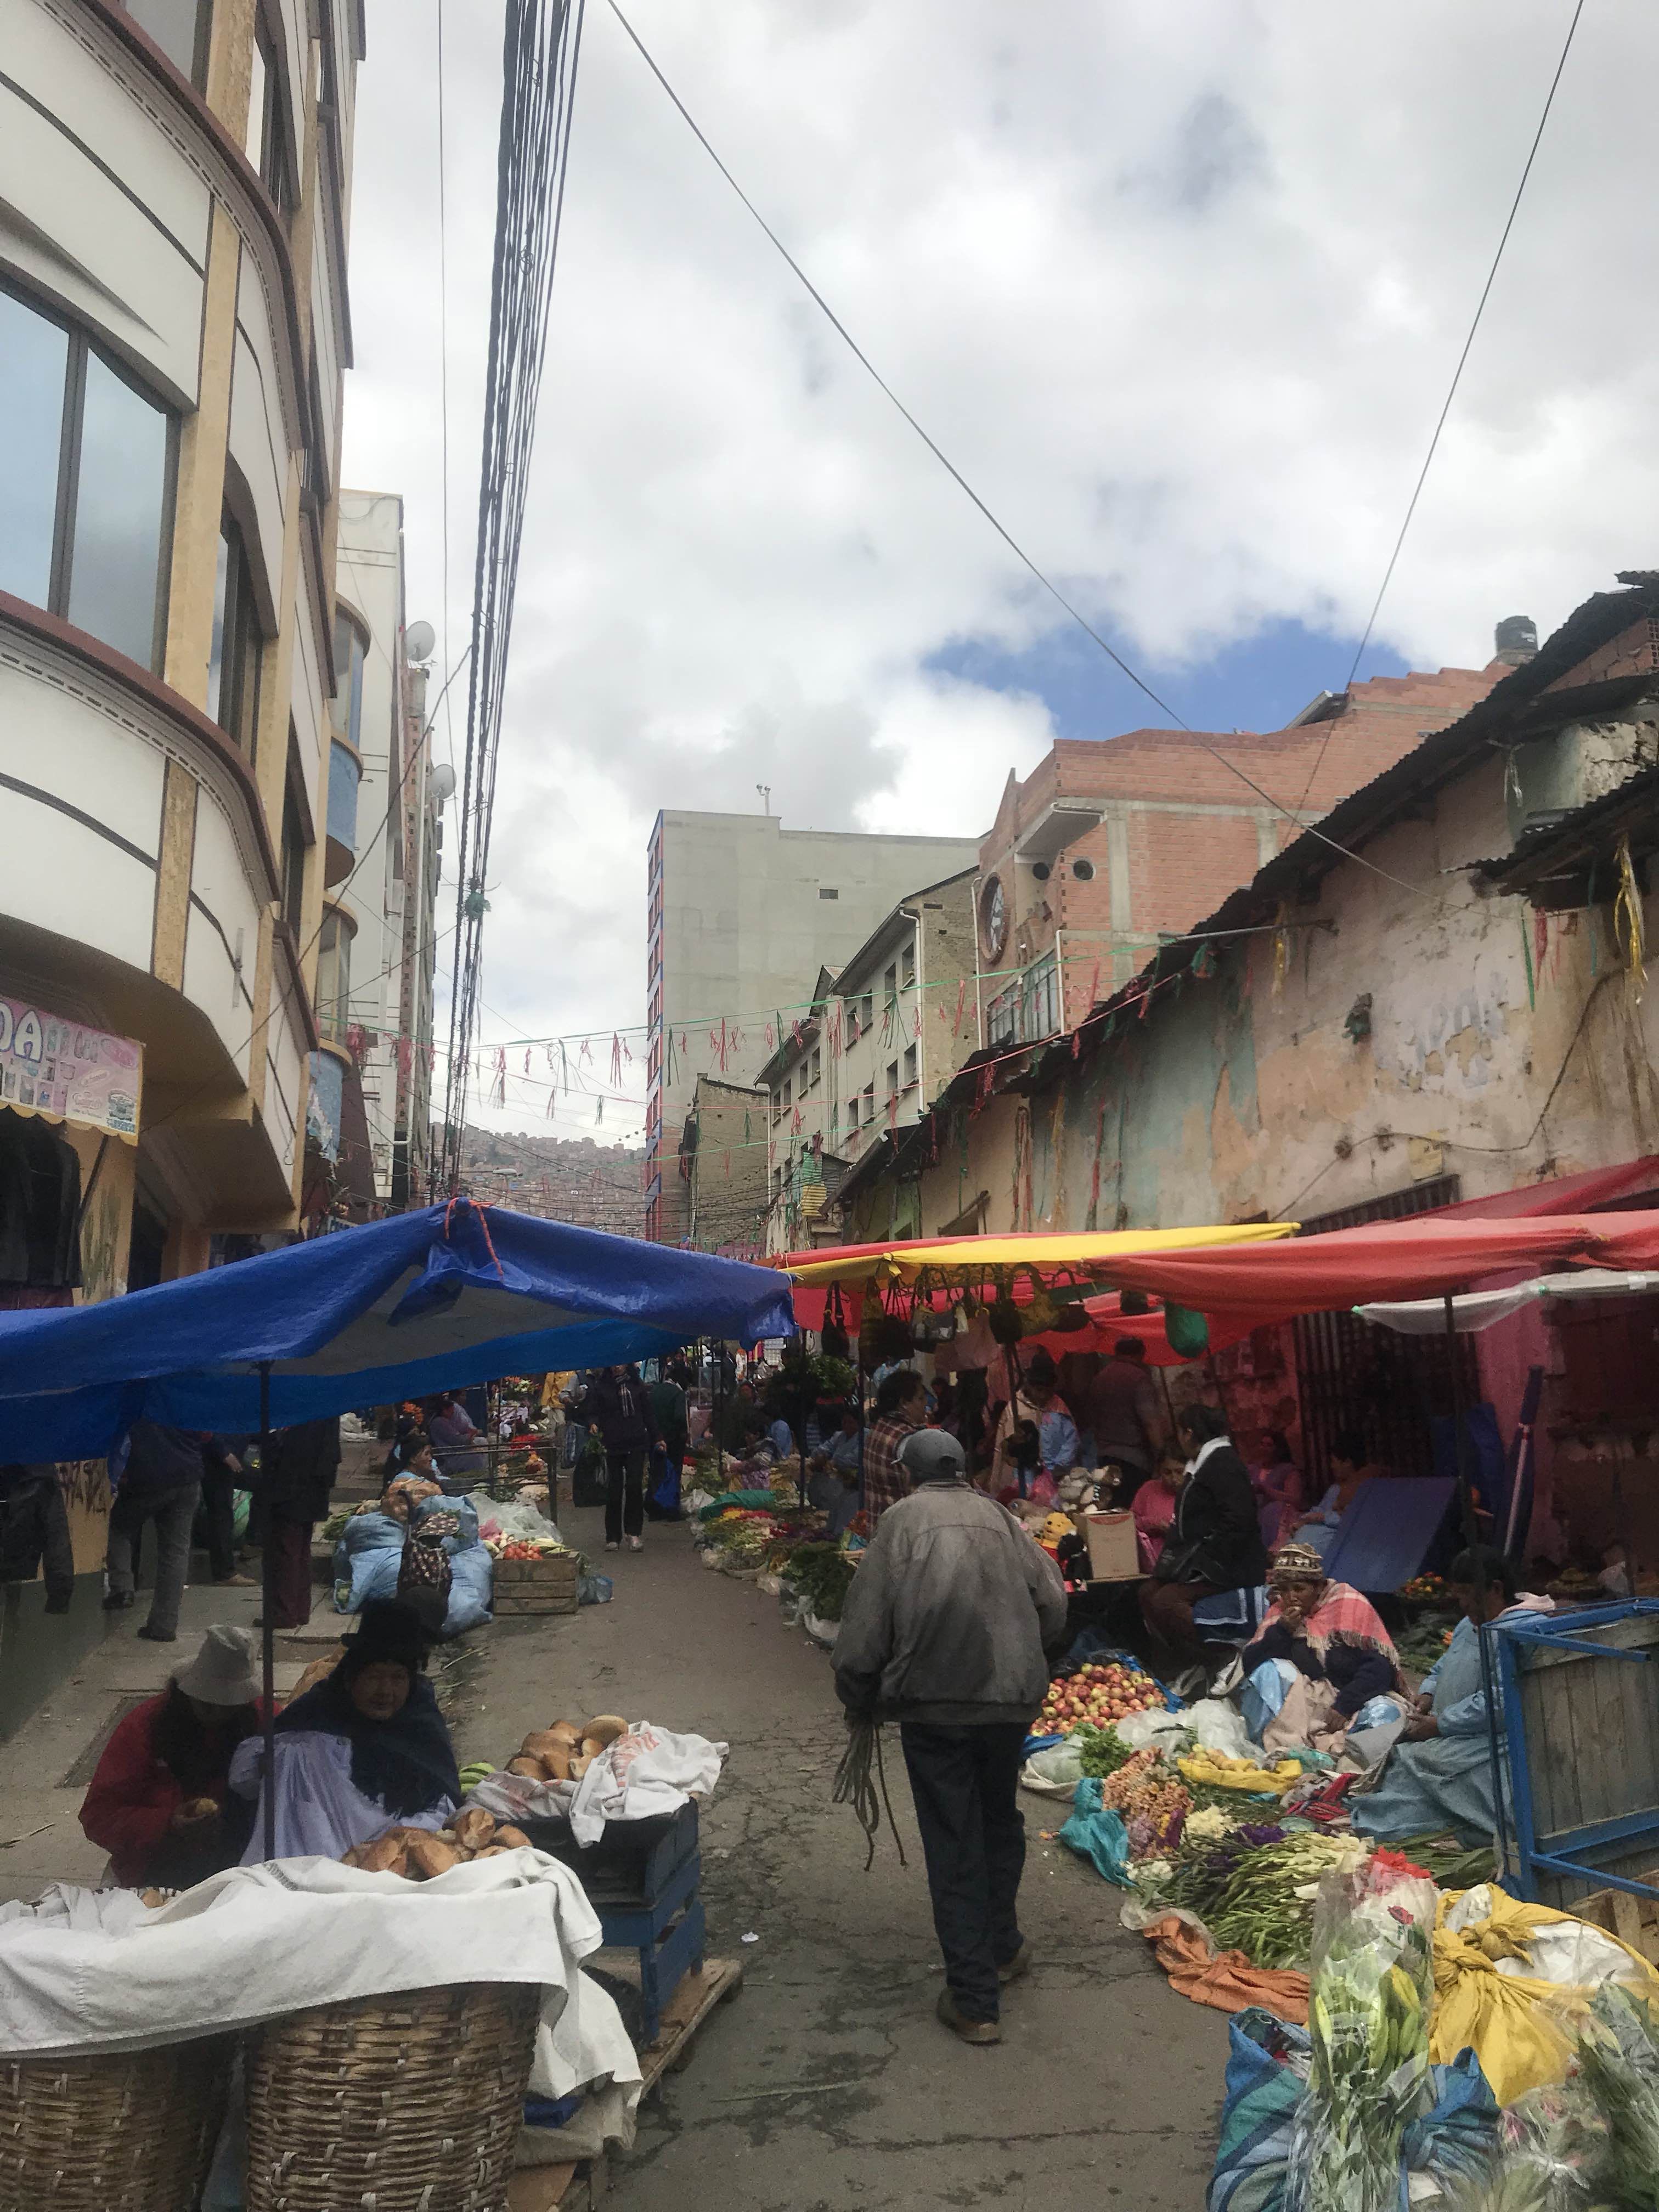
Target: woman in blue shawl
x=365, y=1750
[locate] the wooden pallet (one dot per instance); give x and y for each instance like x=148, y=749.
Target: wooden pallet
x=577, y=2188
x=1633, y=1920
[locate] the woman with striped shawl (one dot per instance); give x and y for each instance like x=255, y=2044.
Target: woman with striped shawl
x=1322, y=1659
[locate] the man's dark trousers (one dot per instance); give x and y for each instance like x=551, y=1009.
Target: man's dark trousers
x=964, y=1781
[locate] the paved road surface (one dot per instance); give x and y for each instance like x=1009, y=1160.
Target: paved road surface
x=827, y=2085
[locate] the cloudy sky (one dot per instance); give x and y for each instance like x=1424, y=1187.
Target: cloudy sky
x=1178, y=287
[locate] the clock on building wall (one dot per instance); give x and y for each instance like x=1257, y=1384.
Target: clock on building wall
x=993, y=918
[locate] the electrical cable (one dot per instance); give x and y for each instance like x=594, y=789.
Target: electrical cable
x=1009, y=539
x=540, y=53
x=1457, y=374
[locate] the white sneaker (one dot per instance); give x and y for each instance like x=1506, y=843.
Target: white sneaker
x=637, y=1543
x=613, y=1547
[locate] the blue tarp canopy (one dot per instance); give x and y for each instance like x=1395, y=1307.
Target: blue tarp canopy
x=437, y=1300
x=1386, y=1533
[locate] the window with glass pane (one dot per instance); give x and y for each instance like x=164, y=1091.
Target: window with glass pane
x=346, y=707
x=84, y=482
x=120, y=514
x=179, y=28
x=294, y=862
x=33, y=373
x=334, y=976
x=235, y=654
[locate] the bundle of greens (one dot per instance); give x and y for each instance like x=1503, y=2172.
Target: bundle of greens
x=1368, y=2024
x=1618, y=2064
x=1103, y=1750
x=1245, y=1888
x=1452, y=1865
x=821, y=1573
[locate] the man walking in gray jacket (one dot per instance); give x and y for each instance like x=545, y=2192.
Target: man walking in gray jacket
x=944, y=1629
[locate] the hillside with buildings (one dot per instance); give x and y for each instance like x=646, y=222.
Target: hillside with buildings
x=558, y=1178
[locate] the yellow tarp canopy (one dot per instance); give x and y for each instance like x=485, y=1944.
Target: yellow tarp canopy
x=970, y=1259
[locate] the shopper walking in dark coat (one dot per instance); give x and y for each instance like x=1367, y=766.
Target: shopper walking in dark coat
x=294, y=1496
x=160, y=1482
x=618, y=1410
x=945, y=1629
x=35, y=1531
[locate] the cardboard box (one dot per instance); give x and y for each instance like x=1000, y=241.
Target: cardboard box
x=1114, y=1554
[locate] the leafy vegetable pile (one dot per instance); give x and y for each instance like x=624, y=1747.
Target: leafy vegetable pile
x=823, y=1573
x=1244, y=1889
x=1103, y=1750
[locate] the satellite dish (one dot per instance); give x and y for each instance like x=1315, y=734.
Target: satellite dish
x=419, y=640
x=443, y=783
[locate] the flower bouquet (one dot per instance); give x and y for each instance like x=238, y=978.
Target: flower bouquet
x=1368, y=2023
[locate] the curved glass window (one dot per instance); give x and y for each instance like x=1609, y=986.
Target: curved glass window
x=85, y=493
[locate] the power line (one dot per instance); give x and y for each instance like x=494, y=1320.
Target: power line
x=961, y=481
x=1457, y=374
x=541, y=49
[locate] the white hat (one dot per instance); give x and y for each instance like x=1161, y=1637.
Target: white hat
x=223, y=1671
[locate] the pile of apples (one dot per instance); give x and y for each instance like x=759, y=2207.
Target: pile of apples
x=1097, y=1695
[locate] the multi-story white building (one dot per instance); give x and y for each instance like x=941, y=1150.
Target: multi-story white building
x=174, y=333
x=742, y=914
x=376, y=950
x=880, y=1042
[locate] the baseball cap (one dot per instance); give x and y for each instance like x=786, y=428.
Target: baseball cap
x=932, y=1455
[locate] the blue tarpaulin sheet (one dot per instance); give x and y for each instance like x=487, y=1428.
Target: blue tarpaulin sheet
x=454, y=1295
x=1385, y=1534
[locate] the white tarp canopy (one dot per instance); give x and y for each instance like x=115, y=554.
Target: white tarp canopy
x=1477, y=1310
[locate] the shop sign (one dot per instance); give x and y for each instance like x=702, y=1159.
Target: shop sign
x=67, y=1072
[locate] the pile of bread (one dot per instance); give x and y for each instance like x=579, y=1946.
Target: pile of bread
x=418, y=1853
x=563, y=1752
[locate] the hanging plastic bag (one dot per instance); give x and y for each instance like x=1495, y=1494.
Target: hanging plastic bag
x=1097, y=1834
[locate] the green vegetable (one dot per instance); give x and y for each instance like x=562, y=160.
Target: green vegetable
x=823, y=1574
x=1103, y=1749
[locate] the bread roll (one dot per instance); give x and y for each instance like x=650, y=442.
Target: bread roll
x=491, y=1851
x=509, y=1839
x=579, y=1766
x=542, y=1743
x=591, y=1747
x=474, y=1828
x=386, y=1855
x=353, y=1857
x=532, y=1768
x=606, y=1727
x=557, y=1762
x=428, y=1855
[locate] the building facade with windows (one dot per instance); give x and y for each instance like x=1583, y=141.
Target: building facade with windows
x=370, y=1134
x=741, y=916
x=174, y=333
x=880, y=1042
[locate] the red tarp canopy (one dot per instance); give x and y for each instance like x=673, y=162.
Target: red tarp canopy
x=1241, y=1288
x=1581, y=1194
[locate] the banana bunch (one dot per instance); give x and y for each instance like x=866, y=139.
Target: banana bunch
x=473, y=1775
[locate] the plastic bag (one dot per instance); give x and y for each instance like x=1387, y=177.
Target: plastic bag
x=1055, y=1771
x=595, y=1589
x=1368, y=2026
x=515, y=1520
x=1097, y=1835
x=1556, y=2142
x=1617, y=2062
x=1219, y=1726
x=1490, y=1998
x=1167, y=1731
x=1268, y=2062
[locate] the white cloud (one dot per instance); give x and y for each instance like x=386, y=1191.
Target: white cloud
x=1180, y=289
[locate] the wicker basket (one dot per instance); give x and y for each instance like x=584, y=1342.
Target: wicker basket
x=133, y=2131
x=410, y=2103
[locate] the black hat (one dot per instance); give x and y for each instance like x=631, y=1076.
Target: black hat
x=389, y=1629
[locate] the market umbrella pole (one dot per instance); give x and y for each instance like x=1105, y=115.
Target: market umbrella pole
x=268, y=1615
x=1472, y=1540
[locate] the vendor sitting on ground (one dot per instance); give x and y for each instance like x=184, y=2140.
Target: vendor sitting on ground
x=366, y=1750
x=833, y=1488
x=1322, y=1658
x=1438, y=1776
x=160, y=1803
x=1350, y=1472
x=1154, y=1508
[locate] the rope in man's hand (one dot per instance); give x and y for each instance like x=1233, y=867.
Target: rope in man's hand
x=861, y=1782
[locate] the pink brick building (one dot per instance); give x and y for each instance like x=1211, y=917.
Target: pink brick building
x=1106, y=844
